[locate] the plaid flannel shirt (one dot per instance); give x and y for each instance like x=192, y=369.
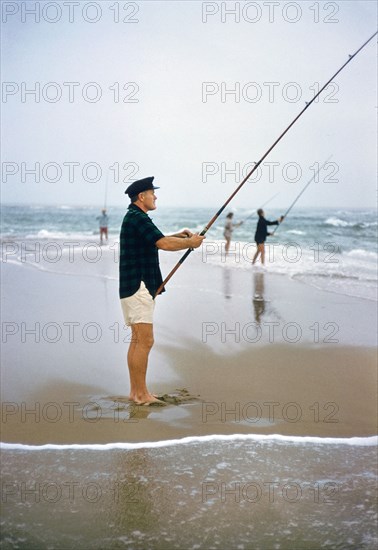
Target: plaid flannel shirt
x=139, y=256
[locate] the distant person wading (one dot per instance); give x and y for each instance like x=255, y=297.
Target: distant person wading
x=261, y=234
x=228, y=229
x=103, y=222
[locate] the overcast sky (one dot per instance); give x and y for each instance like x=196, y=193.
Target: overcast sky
x=191, y=92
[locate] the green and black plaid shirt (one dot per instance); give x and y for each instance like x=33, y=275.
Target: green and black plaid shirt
x=139, y=256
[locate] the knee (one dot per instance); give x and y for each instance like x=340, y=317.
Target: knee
x=142, y=338
x=149, y=342
x=146, y=342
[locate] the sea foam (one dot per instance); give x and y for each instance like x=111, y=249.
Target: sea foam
x=354, y=441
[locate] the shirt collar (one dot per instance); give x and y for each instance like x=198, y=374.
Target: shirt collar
x=133, y=206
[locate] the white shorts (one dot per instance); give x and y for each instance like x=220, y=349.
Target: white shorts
x=138, y=308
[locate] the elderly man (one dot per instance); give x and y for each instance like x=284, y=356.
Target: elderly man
x=140, y=277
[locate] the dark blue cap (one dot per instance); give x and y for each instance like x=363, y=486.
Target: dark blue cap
x=140, y=185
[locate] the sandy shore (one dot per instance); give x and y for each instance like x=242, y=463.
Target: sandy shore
x=296, y=360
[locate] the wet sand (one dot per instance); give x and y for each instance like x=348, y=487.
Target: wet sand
x=295, y=361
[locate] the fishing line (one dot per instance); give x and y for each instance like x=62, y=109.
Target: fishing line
x=303, y=190
x=262, y=206
x=213, y=219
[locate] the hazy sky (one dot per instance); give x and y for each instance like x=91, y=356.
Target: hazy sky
x=191, y=92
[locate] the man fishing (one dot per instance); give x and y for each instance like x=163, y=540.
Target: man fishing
x=140, y=278
x=103, y=222
x=262, y=233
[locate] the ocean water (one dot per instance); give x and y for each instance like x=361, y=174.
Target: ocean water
x=215, y=492
x=332, y=249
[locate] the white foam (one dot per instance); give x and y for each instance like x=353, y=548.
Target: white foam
x=60, y=235
x=352, y=273
x=336, y=222
x=360, y=253
x=355, y=441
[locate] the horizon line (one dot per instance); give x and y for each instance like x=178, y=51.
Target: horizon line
x=214, y=207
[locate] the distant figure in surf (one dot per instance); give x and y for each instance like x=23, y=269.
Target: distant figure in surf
x=228, y=229
x=262, y=233
x=104, y=222
x=140, y=278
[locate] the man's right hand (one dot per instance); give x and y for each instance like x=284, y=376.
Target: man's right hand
x=195, y=240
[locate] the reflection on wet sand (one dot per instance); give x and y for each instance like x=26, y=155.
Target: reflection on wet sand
x=259, y=303
x=227, y=282
x=141, y=498
x=123, y=409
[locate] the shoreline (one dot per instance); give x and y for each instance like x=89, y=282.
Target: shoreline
x=88, y=253
x=368, y=441
x=220, y=374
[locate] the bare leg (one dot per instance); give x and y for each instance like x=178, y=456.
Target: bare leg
x=227, y=247
x=256, y=254
x=142, y=340
x=262, y=249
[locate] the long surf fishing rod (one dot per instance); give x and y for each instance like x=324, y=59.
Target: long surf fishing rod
x=262, y=206
x=106, y=190
x=213, y=219
x=303, y=190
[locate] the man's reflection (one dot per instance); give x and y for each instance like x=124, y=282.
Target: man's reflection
x=258, y=296
x=227, y=282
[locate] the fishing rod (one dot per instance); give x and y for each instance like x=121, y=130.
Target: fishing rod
x=262, y=206
x=303, y=190
x=213, y=219
x=106, y=189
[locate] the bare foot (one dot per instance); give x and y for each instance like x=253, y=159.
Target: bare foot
x=135, y=398
x=150, y=401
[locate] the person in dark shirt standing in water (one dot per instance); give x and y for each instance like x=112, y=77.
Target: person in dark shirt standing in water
x=140, y=278
x=261, y=234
